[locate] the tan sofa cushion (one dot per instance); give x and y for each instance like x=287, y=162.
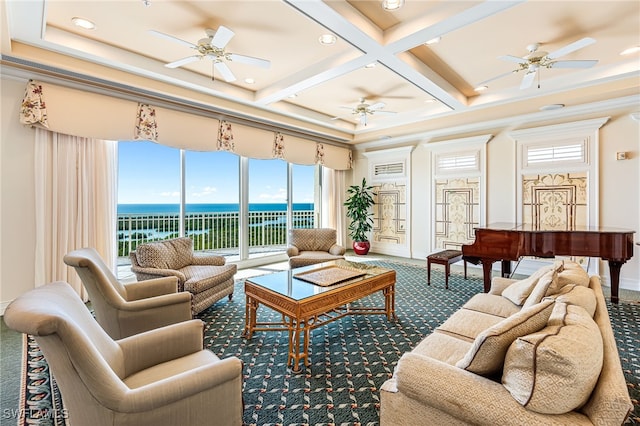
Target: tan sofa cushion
x=554, y=371
x=577, y=295
x=486, y=355
x=169, y=254
x=572, y=273
x=519, y=291
x=467, y=324
x=492, y=304
x=443, y=347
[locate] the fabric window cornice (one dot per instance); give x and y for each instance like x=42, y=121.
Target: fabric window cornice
x=98, y=116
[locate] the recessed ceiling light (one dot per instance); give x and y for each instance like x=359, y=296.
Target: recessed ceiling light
x=551, y=107
x=83, y=23
x=433, y=41
x=371, y=65
x=429, y=101
x=630, y=50
x=392, y=4
x=293, y=95
x=327, y=39
x=249, y=80
x=481, y=88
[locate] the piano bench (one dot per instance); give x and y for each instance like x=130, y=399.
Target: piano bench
x=446, y=258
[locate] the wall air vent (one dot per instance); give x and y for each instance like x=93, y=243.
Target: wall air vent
x=388, y=169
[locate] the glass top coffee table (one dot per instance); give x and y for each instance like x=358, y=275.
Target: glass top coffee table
x=315, y=295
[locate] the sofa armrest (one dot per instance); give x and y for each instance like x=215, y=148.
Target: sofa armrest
x=499, y=284
x=337, y=250
x=292, y=251
x=467, y=396
x=158, y=273
x=225, y=372
x=162, y=344
x=151, y=288
x=208, y=259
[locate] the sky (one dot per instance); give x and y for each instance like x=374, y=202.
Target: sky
x=149, y=173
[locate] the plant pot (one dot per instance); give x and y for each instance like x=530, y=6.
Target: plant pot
x=361, y=247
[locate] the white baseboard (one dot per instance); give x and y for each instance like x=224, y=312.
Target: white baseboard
x=389, y=250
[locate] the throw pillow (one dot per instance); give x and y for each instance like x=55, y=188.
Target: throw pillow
x=540, y=289
x=554, y=371
x=486, y=355
x=572, y=273
x=577, y=295
x=520, y=290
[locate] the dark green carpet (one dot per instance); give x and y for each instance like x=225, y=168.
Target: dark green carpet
x=352, y=357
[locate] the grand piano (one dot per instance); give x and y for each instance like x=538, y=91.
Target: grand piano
x=506, y=242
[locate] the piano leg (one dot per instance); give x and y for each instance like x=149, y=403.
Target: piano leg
x=506, y=268
x=614, y=274
x=487, y=265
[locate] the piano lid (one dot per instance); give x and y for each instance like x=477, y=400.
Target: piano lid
x=529, y=227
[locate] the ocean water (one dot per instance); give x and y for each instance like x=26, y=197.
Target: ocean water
x=124, y=209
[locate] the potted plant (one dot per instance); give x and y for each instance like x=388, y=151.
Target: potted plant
x=359, y=203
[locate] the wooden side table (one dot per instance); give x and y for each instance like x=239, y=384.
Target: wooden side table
x=446, y=258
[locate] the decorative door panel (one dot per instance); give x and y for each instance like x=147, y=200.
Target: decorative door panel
x=457, y=211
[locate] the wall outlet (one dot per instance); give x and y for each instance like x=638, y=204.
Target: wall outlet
x=621, y=156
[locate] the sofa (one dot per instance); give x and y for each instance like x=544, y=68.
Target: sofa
x=206, y=276
x=308, y=246
x=536, y=351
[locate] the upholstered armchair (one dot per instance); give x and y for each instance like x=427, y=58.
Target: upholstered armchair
x=126, y=309
x=308, y=246
x=160, y=377
x=207, y=277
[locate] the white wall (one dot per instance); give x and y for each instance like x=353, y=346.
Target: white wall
x=17, y=197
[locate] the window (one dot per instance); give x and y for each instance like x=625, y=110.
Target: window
x=230, y=205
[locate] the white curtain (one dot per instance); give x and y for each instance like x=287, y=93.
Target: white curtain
x=75, y=203
x=333, y=198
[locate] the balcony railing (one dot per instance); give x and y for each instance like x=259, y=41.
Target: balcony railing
x=211, y=231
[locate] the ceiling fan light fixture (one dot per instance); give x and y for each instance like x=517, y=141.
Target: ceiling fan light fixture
x=83, y=23
x=392, y=4
x=327, y=39
x=630, y=50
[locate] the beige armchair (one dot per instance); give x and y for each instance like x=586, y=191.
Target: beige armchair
x=160, y=377
x=123, y=310
x=207, y=277
x=313, y=245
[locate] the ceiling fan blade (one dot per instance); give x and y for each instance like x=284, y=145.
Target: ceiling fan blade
x=383, y=112
x=222, y=37
x=527, y=80
x=225, y=71
x=182, y=61
x=172, y=38
x=571, y=48
x=497, y=77
x=377, y=105
x=511, y=58
x=249, y=60
x=573, y=64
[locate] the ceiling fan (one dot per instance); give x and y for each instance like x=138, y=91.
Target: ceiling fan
x=363, y=109
x=213, y=47
x=536, y=59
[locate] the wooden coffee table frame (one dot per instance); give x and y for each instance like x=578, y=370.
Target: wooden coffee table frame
x=299, y=317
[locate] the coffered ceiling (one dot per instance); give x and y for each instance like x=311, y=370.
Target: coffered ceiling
x=379, y=56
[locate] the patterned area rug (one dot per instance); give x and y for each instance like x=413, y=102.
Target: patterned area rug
x=350, y=358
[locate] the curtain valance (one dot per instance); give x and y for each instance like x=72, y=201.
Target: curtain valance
x=92, y=115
